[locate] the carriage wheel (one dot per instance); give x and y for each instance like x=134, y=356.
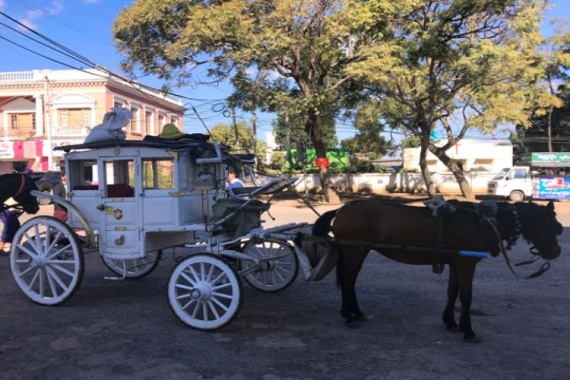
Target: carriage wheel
x=135, y=268
x=46, y=260
x=204, y=292
x=277, y=269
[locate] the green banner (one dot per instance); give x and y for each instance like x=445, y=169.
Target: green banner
x=550, y=158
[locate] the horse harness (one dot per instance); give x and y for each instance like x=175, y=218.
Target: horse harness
x=22, y=184
x=488, y=212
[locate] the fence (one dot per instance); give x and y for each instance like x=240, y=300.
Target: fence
x=398, y=182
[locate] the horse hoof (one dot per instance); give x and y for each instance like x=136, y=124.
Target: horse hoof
x=473, y=339
x=453, y=329
x=353, y=324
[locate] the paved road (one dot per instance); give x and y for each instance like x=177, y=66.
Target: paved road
x=125, y=330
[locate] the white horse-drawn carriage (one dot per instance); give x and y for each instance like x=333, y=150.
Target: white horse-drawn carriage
x=133, y=200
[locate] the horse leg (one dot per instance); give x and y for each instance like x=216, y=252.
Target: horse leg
x=348, y=266
x=452, y=293
x=465, y=273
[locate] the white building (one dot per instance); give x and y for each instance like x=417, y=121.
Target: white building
x=475, y=155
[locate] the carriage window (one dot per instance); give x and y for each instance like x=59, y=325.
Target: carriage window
x=82, y=174
x=119, y=178
x=158, y=173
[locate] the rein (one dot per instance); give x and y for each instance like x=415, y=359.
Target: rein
x=510, y=242
x=22, y=183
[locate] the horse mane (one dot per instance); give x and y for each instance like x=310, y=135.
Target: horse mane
x=322, y=225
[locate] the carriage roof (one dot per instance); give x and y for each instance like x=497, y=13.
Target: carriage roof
x=177, y=145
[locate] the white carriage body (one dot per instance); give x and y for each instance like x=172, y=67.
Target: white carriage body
x=148, y=197
x=135, y=198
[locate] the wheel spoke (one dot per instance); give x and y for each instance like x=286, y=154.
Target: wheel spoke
x=62, y=269
x=220, y=304
x=223, y=295
x=51, y=277
x=213, y=308
x=185, y=287
x=187, y=278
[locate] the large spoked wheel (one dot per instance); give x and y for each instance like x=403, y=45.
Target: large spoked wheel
x=133, y=268
x=277, y=265
x=204, y=292
x=46, y=260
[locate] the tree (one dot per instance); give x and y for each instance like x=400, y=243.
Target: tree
x=458, y=65
x=240, y=138
x=368, y=138
x=550, y=127
x=298, y=50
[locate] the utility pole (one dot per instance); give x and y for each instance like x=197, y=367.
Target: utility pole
x=48, y=124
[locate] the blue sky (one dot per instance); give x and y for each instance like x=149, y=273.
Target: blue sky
x=84, y=26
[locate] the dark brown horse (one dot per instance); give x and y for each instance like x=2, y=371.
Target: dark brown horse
x=396, y=231
x=18, y=187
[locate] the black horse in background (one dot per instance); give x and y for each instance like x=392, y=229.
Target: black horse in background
x=18, y=187
x=397, y=231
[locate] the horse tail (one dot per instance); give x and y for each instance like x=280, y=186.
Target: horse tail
x=323, y=225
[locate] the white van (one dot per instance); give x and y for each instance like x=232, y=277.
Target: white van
x=514, y=183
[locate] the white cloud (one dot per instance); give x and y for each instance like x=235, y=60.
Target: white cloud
x=53, y=8
x=2, y=4
x=89, y=1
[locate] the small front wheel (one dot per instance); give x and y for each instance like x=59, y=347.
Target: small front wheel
x=204, y=292
x=133, y=268
x=274, y=265
x=46, y=260
x=516, y=196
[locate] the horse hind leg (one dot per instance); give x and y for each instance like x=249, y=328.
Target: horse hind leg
x=466, y=273
x=452, y=293
x=349, y=265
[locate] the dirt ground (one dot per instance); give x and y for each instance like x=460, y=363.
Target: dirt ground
x=125, y=330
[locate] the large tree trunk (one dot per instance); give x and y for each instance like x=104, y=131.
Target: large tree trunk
x=456, y=168
x=314, y=128
x=430, y=185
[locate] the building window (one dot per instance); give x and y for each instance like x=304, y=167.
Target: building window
x=149, y=123
x=160, y=122
x=135, y=120
x=73, y=121
x=174, y=120
x=22, y=125
x=118, y=104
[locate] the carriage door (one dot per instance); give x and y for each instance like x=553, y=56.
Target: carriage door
x=121, y=216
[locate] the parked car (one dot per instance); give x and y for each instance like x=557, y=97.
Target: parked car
x=46, y=182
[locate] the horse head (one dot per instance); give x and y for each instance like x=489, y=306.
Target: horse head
x=539, y=226
x=19, y=189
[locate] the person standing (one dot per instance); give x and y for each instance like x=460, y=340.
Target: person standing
x=59, y=211
x=11, y=225
x=233, y=182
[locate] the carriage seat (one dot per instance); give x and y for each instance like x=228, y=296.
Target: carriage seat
x=237, y=215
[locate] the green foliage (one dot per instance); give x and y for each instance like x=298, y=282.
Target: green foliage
x=278, y=161
x=226, y=134
x=411, y=142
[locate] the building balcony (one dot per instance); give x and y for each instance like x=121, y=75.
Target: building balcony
x=72, y=130
x=19, y=133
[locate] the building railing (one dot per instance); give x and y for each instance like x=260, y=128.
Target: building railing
x=19, y=133
x=72, y=130
x=16, y=76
